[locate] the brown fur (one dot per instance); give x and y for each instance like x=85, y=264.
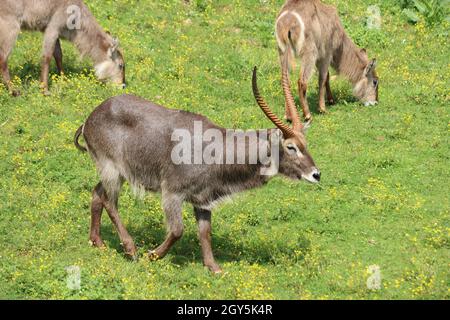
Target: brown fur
x=313, y=32
x=51, y=17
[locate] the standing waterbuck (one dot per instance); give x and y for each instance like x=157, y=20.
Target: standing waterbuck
x=312, y=31
x=131, y=139
x=66, y=19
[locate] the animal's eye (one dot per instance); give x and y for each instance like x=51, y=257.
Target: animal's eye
x=291, y=148
x=121, y=66
x=375, y=83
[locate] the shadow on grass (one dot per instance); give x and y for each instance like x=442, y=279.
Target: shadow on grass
x=31, y=71
x=313, y=102
x=225, y=247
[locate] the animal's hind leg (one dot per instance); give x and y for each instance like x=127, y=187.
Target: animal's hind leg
x=57, y=54
x=8, y=38
x=110, y=196
x=96, y=216
x=172, y=205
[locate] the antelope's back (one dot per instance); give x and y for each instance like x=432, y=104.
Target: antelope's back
x=139, y=132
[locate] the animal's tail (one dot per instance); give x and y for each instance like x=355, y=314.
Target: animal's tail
x=77, y=137
x=290, y=37
x=288, y=58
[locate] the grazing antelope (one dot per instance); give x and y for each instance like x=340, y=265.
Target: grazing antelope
x=67, y=19
x=131, y=139
x=312, y=31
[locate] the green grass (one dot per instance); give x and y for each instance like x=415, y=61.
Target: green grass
x=384, y=199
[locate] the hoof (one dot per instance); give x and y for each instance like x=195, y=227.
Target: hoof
x=307, y=124
x=214, y=268
x=46, y=93
x=331, y=102
x=308, y=118
x=133, y=257
x=98, y=243
x=129, y=248
x=15, y=93
x=323, y=110
x=153, y=256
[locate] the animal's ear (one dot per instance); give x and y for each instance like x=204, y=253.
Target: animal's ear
x=292, y=148
x=115, y=44
x=364, y=52
x=113, y=47
x=370, y=67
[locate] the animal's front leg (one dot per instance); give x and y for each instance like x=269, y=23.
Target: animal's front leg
x=172, y=206
x=204, y=231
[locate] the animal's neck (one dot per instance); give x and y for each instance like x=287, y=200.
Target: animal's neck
x=348, y=60
x=254, y=169
x=92, y=41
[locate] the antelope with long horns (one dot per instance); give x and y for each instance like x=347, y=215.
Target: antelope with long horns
x=66, y=19
x=313, y=32
x=131, y=139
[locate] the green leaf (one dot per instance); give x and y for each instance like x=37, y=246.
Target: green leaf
x=420, y=6
x=411, y=15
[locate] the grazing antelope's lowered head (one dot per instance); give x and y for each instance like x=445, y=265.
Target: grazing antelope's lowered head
x=112, y=68
x=366, y=89
x=295, y=160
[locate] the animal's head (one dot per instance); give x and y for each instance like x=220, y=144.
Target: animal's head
x=366, y=89
x=295, y=160
x=113, y=67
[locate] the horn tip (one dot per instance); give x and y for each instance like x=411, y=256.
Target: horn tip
x=254, y=79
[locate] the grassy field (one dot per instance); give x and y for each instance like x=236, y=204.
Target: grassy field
x=384, y=199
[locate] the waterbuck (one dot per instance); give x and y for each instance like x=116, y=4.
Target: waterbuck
x=312, y=31
x=66, y=19
x=131, y=139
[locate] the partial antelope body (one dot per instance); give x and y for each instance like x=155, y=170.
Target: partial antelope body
x=130, y=139
x=67, y=19
x=312, y=31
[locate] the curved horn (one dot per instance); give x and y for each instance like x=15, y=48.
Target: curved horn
x=296, y=122
x=287, y=131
